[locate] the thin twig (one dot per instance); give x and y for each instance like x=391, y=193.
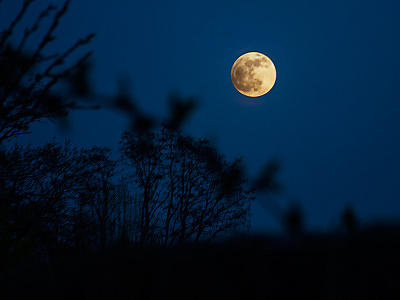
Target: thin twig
x=48, y=36
x=7, y=33
x=29, y=31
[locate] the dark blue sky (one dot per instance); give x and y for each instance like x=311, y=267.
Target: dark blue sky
x=332, y=117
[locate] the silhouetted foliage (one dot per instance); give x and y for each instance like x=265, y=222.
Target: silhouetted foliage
x=37, y=184
x=57, y=199
x=294, y=220
x=349, y=220
x=266, y=180
x=183, y=196
x=27, y=78
x=102, y=194
x=180, y=109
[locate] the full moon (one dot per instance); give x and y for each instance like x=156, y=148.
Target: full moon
x=253, y=74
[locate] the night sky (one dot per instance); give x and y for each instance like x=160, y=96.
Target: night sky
x=332, y=117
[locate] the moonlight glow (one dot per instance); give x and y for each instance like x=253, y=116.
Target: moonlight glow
x=253, y=74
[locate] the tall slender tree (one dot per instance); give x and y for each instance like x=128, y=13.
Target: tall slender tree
x=102, y=192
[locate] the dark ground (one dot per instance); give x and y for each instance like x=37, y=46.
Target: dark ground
x=363, y=265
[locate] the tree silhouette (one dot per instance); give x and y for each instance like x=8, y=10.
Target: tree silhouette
x=56, y=198
x=38, y=185
x=27, y=78
x=101, y=191
x=349, y=220
x=187, y=190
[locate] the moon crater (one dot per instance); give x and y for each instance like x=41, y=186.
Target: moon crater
x=253, y=74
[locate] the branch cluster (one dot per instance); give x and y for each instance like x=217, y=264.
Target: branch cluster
x=57, y=199
x=27, y=77
x=186, y=190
